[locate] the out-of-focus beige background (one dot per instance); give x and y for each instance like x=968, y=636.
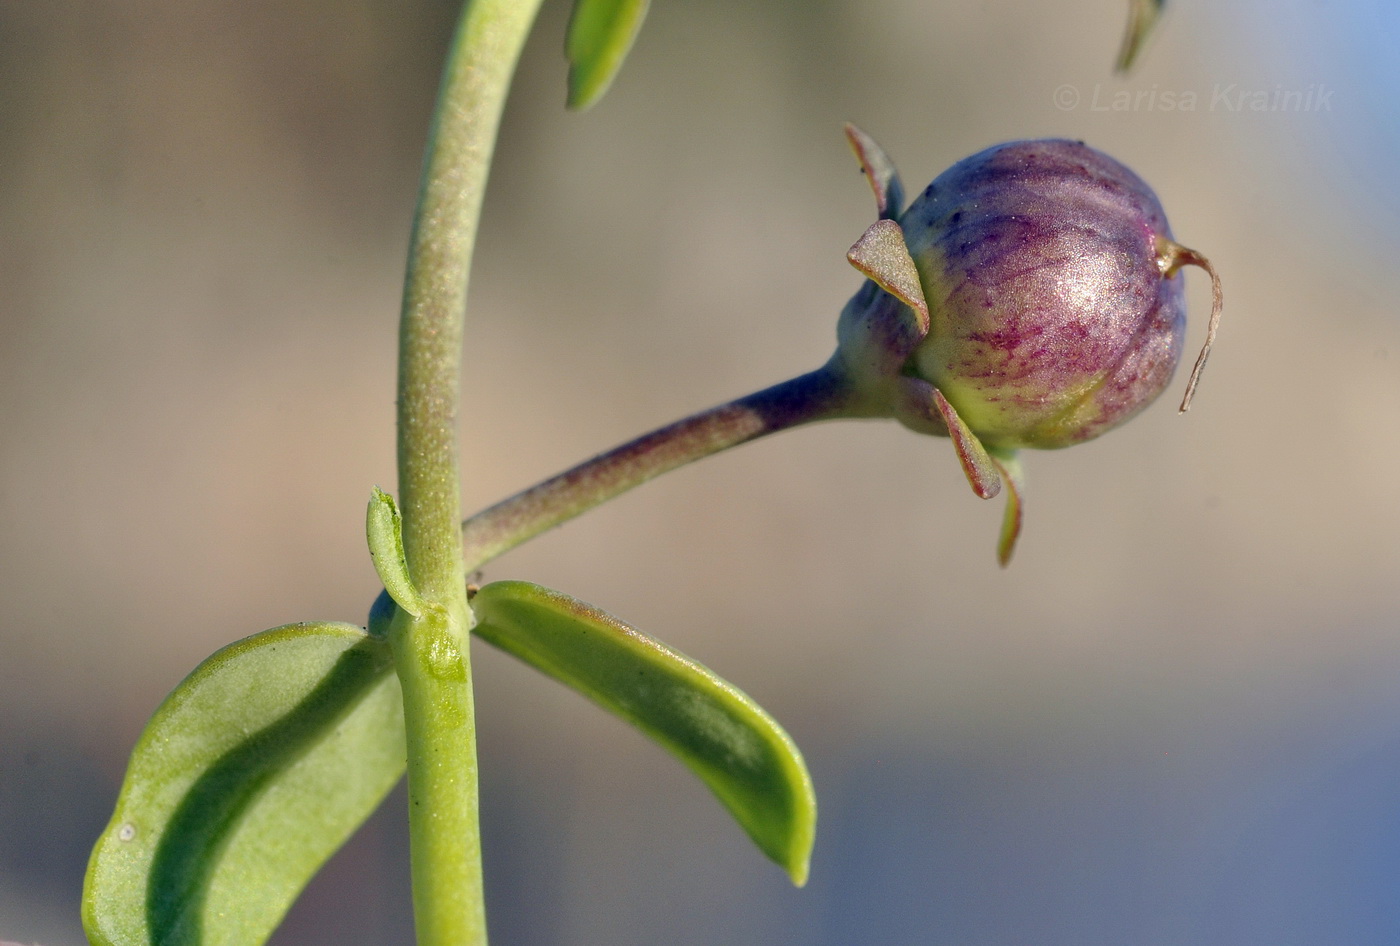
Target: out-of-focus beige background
x=1175, y=718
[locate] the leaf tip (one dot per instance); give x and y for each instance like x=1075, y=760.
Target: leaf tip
x=601, y=33
x=583, y=91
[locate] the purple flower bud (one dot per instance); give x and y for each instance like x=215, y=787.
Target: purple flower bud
x=1046, y=267
x=1026, y=299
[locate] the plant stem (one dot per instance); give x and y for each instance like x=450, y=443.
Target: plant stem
x=818, y=395
x=461, y=141
x=430, y=651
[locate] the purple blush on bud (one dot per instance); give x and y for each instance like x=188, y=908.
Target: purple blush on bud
x=1025, y=299
x=1046, y=266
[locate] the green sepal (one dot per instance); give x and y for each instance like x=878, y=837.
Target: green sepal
x=879, y=171
x=882, y=255
x=1014, y=477
x=1142, y=17
x=601, y=33
x=725, y=738
x=979, y=468
x=247, y=778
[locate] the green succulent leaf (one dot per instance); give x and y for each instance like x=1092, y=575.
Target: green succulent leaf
x=247, y=778
x=601, y=33
x=745, y=757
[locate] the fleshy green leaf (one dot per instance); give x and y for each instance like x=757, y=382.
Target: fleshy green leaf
x=600, y=34
x=247, y=778
x=745, y=757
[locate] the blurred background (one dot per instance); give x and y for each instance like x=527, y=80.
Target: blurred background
x=1174, y=719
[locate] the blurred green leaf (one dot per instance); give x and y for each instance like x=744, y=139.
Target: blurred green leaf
x=1142, y=16
x=745, y=757
x=600, y=34
x=247, y=778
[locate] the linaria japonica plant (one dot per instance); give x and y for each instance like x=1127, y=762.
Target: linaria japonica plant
x=1028, y=298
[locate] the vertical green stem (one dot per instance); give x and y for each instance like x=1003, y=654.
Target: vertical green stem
x=462, y=139
x=430, y=651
